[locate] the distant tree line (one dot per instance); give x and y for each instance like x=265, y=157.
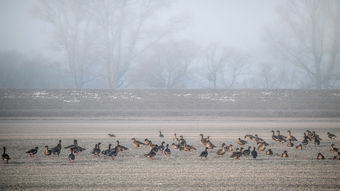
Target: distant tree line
x=128, y=44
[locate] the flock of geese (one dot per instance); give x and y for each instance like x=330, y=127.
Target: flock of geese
x=179, y=143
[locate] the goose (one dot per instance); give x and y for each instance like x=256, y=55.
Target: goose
x=47, y=151
x=299, y=147
x=107, y=151
x=136, y=143
x=258, y=139
x=147, y=142
x=161, y=147
x=290, y=144
x=222, y=150
x=290, y=136
x=261, y=146
x=254, y=153
x=316, y=141
x=188, y=148
x=182, y=141
x=333, y=148
x=71, y=156
x=5, y=156
x=331, y=136
x=305, y=141
x=204, y=153
x=32, y=151
x=120, y=147
x=56, y=150
x=251, y=137
x=75, y=144
x=247, y=151
x=237, y=154
x=209, y=144
x=241, y=142
x=151, y=154
x=167, y=151
x=280, y=136
x=96, y=150
x=320, y=157
x=274, y=137
x=269, y=152
x=307, y=137
x=78, y=149
x=113, y=152
x=203, y=140
x=337, y=157
x=229, y=148
x=160, y=134
x=154, y=148
x=284, y=154
x=175, y=146
x=111, y=135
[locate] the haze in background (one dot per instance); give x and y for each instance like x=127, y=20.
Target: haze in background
x=169, y=44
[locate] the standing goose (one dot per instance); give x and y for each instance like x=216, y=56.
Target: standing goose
x=258, y=139
x=136, y=143
x=333, y=148
x=229, y=148
x=290, y=137
x=290, y=144
x=120, y=147
x=75, y=144
x=316, y=140
x=204, y=153
x=222, y=150
x=320, y=157
x=280, y=136
x=269, y=152
x=237, y=154
x=5, y=156
x=241, y=142
x=274, y=137
x=247, y=151
x=204, y=141
x=337, y=157
x=167, y=151
x=331, y=136
x=107, y=151
x=56, y=150
x=47, y=151
x=299, y=147
x=254, y=153
x=96, y=149
x=284, y=154
x=71, y=156
x=160, y=134
x=113, y=153
x=261, y=146
x=32, y=151
x=305, y=141
x=161, y=147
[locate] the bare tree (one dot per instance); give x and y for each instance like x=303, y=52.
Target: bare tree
x=312, y=40
x=223, y=66
x=125, y=28
x=73, y=34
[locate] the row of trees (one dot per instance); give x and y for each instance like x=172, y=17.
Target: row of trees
x=129, y=44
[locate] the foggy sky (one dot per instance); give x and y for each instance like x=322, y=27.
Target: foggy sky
x=236, y=23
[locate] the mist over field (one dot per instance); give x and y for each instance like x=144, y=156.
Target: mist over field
x=170, y=95
x=169, y=44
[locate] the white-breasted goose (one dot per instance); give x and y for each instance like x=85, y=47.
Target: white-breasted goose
x=320, y=157
x=284, y=154
x=290, y=144
x=71, y=156
x=136, y=143
x=290, y=136
x=47, y=152
x=269, y=152
x=32, y=152
x=299, y=147
x=222, y=150
x=241, y=142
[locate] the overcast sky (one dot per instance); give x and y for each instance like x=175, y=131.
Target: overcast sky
x=238, y=23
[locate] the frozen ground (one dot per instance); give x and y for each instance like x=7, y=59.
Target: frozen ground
x=180, y=171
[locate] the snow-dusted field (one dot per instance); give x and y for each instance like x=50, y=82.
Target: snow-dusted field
x=181, y=171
